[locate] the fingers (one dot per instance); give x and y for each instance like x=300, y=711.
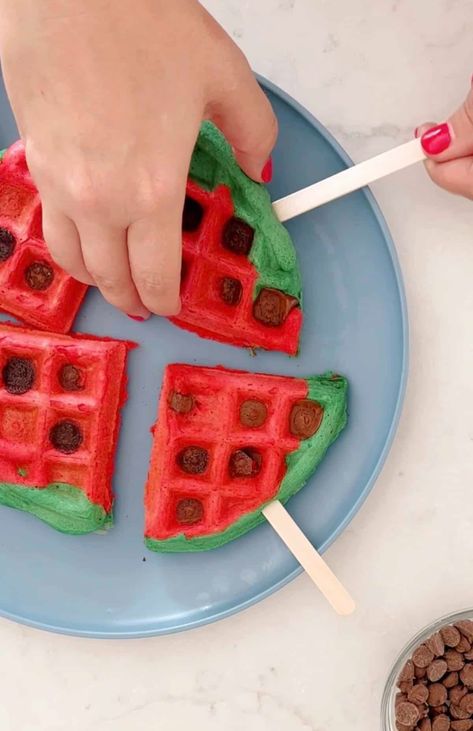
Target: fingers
x=155, y=239
x=104, y=250
x=62, y=238
x=451, y=139
x=456, y=176
x=246, y=118
x=154, y=249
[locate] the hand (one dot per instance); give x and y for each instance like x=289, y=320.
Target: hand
x=450, y=150
x=109, y=96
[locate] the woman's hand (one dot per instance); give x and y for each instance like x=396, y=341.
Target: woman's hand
x=109, y=96
x=450, y=150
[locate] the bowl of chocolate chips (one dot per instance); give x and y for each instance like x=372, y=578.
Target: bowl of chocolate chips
x=431, y=685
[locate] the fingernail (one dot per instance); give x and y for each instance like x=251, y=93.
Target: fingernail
x=137, y=318
x=416, y=132
x=267, y=172
x=437, y=139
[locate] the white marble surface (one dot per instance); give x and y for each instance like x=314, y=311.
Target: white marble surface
x=370, y=70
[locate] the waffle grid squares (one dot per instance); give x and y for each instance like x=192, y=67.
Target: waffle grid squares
x=219, y=492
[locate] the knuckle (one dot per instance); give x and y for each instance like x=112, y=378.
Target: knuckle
x=113, y=286
x=83, y=191
x=273, y=130
x=155, y=285
x=152, y=195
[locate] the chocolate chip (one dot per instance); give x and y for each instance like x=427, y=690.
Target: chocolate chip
x=400, y=698
x=436, y=644
x=450, y=680
x=39, y=275
x=466, y=675
x=193, y=460
x=182, y=403
x=458, y=713
x=437, y=694
x=454, y=660
x=245, y=462
x=66, y=436
x=305, y=419
x=436, y=670
x=456, y=694
x=272, y=306
x=418, y=694
x=253, y=413
x=451, y=636
x=189, y=511
x=422, y=656
x=407, y=714
x=18, y=375
x=463, y=646
x=191, y=215
x=237, y=236
x=71, y=378
x=425, y=725
x=230, y=291
x=441, y=723
x=7, y=244
x=465, y=725
x=466, y=703
x=466, y=628
x=407, y=672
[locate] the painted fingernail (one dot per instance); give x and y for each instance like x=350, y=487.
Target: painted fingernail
x=137, y=318
x=267, y=172
x=437, y=139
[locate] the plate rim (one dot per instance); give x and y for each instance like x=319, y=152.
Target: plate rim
x=241, y=606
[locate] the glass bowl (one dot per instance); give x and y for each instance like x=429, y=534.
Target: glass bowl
x=388, y=720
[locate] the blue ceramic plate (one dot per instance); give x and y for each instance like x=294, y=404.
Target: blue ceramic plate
x=355, y=323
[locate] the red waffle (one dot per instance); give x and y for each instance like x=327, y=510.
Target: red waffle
x=205, y=263
x=90, y=399
x=212, y=421
x=55, y=306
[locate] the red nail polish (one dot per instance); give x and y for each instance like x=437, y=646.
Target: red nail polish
x=267, y=172
x=437, y=139
x=136, y=317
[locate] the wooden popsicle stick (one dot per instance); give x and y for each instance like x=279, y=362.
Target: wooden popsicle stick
x=349, y=180
x=310, y=560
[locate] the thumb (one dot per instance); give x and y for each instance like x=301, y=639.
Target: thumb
x=246, y=118
x=455, y=175
x=451, y=139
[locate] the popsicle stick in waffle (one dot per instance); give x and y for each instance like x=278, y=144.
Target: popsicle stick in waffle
x=60, y=398
x=349, y=180
x=309, y=558
x=227, y=444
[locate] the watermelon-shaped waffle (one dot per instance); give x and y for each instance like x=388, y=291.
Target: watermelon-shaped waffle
x=32, y=287
x=240, y=279
x=60, y=398
x=228, y=442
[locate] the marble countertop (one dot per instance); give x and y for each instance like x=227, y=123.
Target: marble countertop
x=370, y=71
